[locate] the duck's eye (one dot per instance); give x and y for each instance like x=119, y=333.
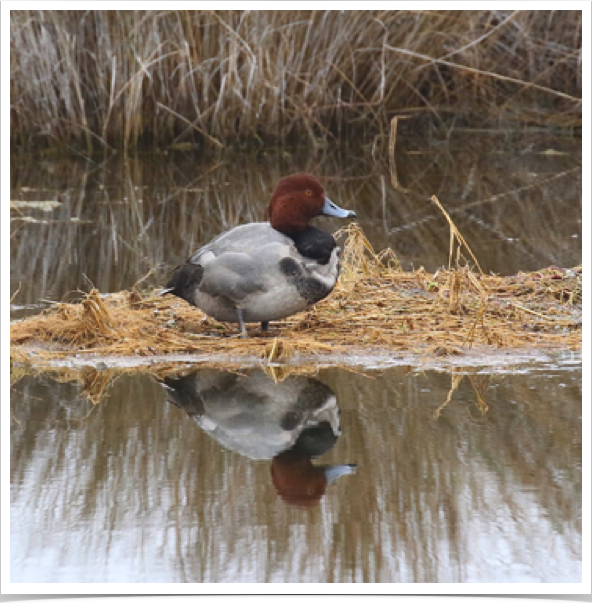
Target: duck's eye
x=308, y=193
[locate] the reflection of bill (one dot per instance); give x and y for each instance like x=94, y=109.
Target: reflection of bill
x=290, y=422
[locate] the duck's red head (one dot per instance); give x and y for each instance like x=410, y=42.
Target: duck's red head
x=296, y=200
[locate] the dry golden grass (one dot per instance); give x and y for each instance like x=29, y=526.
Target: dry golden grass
x=106, y=78
x=375, y=307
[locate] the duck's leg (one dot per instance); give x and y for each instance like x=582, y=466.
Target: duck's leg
x=241, y=322
x=265, y=325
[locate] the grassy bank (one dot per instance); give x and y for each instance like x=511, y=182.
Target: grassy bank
x=375, y=307
x=97, y=79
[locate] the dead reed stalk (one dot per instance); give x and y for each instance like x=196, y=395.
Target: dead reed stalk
x=99, y=79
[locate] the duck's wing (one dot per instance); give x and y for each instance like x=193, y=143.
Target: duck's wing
x=231, y=275
x=234, y=275
x=239, y=262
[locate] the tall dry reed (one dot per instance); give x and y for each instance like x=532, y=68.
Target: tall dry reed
x=125, y=78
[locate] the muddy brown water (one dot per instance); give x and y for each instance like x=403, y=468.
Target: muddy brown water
x=462, y=474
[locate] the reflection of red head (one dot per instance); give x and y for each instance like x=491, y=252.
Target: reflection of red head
x=297, y=480
x=301, y=483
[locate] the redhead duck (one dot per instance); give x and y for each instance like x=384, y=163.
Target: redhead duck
x=266, y=270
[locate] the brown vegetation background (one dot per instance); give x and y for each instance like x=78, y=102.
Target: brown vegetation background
x=95, y=79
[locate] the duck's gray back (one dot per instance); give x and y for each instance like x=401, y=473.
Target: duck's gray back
x=245, y=238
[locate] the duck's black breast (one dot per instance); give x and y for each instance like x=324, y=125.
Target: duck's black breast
x=314, y=243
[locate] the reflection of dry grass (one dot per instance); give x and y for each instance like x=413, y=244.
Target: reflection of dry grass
x=375, y=306
x=528, y=441
x=407, y=514
x=479, y=385
x=95, y=383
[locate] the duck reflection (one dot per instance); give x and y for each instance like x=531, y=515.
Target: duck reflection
x=290, y=422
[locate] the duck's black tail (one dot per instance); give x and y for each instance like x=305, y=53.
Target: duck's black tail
x=184, y=281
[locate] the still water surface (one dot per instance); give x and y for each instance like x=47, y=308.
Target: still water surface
x=220, y=477
x=215, y=477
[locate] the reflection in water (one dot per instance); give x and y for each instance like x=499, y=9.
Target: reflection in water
x=129, y=489
x=289, y=422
